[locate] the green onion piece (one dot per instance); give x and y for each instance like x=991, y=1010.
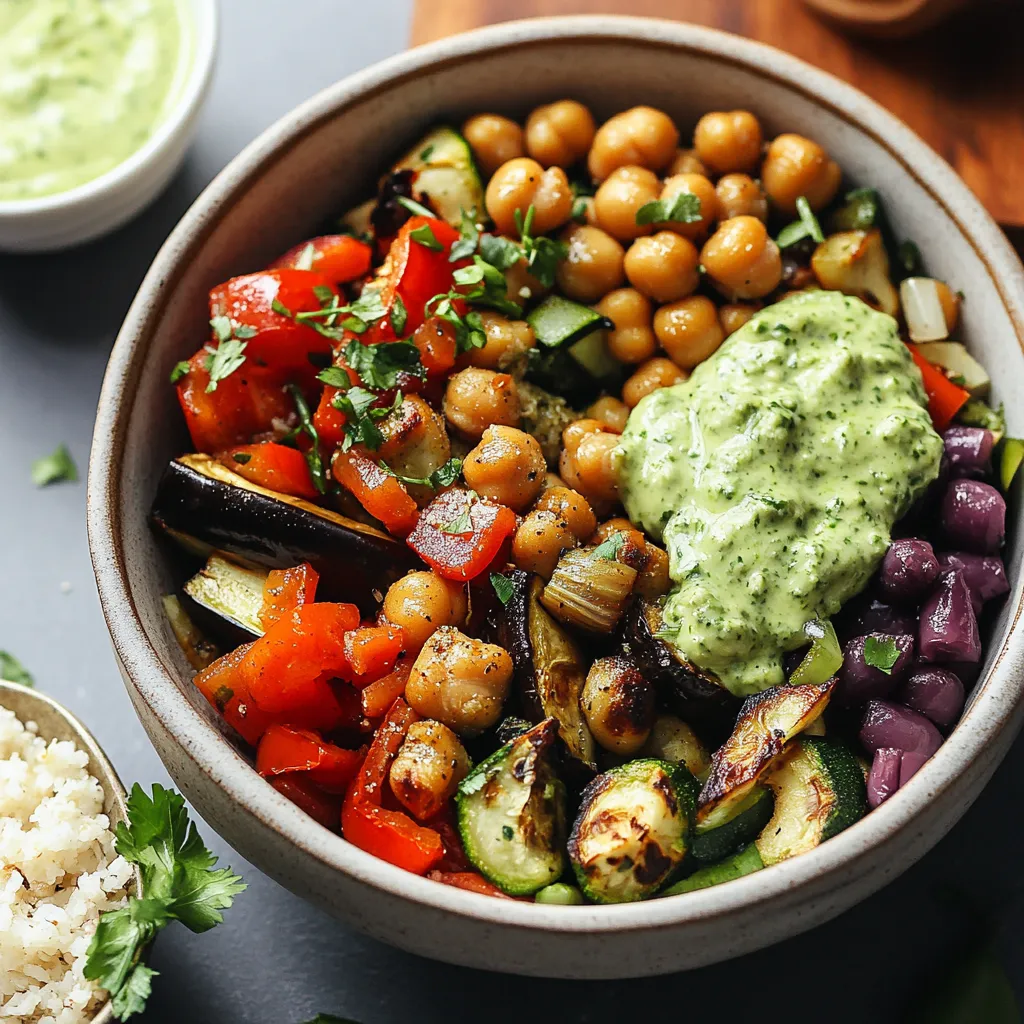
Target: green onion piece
x=559, y=894
x=1009, y=463
x=823, y=660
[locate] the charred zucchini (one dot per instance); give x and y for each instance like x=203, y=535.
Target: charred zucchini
x=672, y=739
x=231, y=591
x=744, y=862
x=766, y=722
x=445, y=175
x=715, y=839
x=203, y=505
x=632, y=830
x=511, y=811
x=819, y=790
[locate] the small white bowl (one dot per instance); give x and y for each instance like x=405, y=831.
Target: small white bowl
x=98, y=206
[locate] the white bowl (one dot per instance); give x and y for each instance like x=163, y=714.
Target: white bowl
x=98, y=206
x=321, y=158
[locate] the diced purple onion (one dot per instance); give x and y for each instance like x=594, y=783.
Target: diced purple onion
x=884, y=777
x=911, y=763
x=891, y=725
x=985, y=575
x=966, y=672
x=859, y=682
x=969, y=450
x=948, y=629
x=937, y=693
x=908, y=570
x=973, y=516
x=866, y=615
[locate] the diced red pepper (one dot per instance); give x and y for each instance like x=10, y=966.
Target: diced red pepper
x=371, y=652
x=445, y=825
x=468, y=880
x=437, y=347
x=390, y=835
x=287, y=589
x=339, y=258
x=381, y=494
x=274, y=466
x=459, y=535
x=304, y=793
x=945, y=399
x=329, y=422
x=383, y=692
x=285, y=748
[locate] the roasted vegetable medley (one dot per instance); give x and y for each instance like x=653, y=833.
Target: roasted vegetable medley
x=586, y=518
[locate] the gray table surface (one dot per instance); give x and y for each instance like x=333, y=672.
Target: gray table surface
x=278, y=960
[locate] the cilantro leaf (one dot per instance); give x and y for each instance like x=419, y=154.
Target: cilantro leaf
x=13, y=671
x=806, y=227
x=417, y=209
x=424, y=235
x=579, y=209
x=222, y=328
x=313, y=458
x=499, y=252
x=683, y=208
x=609, y=549
x=469, y=236
x=241, y=457
x=180, y=370
x=362, y=415
x=542, y=254
x=444, y=476
x=380, y=366
x=335, y=377
x=55, y=468
x=227, y=357
x=426, y=152
x=503, y=587
x=135, y=991
x=881, y=653
x=399, y=315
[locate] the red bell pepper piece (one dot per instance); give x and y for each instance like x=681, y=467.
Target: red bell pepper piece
x=446, y=826
x=383, y=692
x=304, y=793
x=284, y=748
x=468, y=880
x=371, y=652
x=437, y=347
x=945, y=399
x=274, y=466
x=390, y=835
x=284, y=668
x=339, y=258
x=287, y=589
x=460, y=535
x=381, y=494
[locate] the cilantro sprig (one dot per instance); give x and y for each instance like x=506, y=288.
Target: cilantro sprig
x=682, y=208
x=362, y=413
x=542, y=254
x=444, y=476
x=380, y=366
x=314, y=459
x=179, y=882
x=610, y=548
x=13, y=671
x=881, y=653
x=503, y=587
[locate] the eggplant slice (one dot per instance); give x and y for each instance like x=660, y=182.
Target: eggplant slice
x=204, y=506
x=550, y=669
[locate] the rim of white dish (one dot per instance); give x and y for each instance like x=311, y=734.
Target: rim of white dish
x=995, y=707
x=202, y=31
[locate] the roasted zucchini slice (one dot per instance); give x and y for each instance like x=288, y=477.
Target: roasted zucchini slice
x=717, y=839
x=231, y=591
x=511, y=811
x=446, y=178
x=632, y=830
x=743, y=862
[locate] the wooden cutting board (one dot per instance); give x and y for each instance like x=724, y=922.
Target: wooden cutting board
x=959, y=85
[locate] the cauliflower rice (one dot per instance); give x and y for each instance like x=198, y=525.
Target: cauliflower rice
x=58, y=871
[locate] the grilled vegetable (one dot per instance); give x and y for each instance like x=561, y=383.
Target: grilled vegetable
x=230, y=590
x=766, y=722
x=545, y=416
x=819, y=790
x=588, y=590
x=198, y=649
x=632, y=830
x=958, y=363
x=618, y=703
x=203, y=505
x=739, y=864
x=445, y=176
x=672, y=739
x=715, y=839
x=549, y=667
x=855, y=262
x=511, y=811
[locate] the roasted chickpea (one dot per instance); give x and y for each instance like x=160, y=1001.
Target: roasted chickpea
x=655, y=373
x=476, y=399
x=620, y=196
x=701, y=187
x=593, y=265
x=459, y=681
x=596, y=469
x=740, y=196
x=642, y=136
x=577, y=430
x=689, y=330
x=728, y=142
x=634, y=547
x=507, y=346
x=571, y=508
x=672, y=739
x=540, y=541
x=611, y=412
x=741, y=260
x=686, y=161
x=494, y=140
x=507, y=466
x=559, y=133
x=663, y=267
x=522, y=285
x=552, y=480
x=653, y=580
x=618, y=704
x=428, y=768
x=632, y=339
x=521, y=183
x=733, y=315
x=421, y=602
x=415, y=443
x=794, y=167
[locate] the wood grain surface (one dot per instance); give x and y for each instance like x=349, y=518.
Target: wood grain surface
x=959, y=85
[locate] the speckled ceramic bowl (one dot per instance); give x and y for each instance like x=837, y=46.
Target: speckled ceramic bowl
x=320, y=158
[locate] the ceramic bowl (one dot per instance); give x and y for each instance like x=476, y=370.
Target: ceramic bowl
x=105, y=203
x=321, y=158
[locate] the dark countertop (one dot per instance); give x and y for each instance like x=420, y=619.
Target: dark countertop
x=278, y=960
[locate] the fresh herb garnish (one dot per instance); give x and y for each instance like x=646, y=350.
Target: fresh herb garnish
x=806, y=227
x=399, y=315
x=579, y=209
x=469, y=235
x=325, y=320
x=503, y=587
x=180, y=883
x=313, y=458
x=306, y=257
x=444, y=476
x=222, y=361
x=499, y=252
x=609, y=549
x=55, y=468
x=335, y=377
x=13, y=671
x=507, y=832
x=462, y=523
x=682, y=208
x=426, y=152
x=860, y=210
x=424, y=235
x=241, y=457
x=417, y=209
x=180, y=370
x=362, y=416
x=380, y=366
x=542, y=254
x=881, y=654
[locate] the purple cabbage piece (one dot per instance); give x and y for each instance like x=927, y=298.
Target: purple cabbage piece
x=973, y=516
x=948, y=629
x=884, y=777
x=911, y=762
x=936, y=692
x=908, y=570
x=859, y=682
x=969, y=450
x=886, y=724
x=985, y=575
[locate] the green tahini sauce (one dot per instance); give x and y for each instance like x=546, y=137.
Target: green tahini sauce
x=83, y=84
x=774, y=475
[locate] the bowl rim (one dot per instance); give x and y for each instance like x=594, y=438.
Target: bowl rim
x=996, y=706
x=204, y=25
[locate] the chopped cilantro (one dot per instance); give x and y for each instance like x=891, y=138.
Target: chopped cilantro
x=579, y=209
x=335, y=377
x=180, y=370
x=424, y=235
x=313, y=458
x=542, y=254
x=241, y=457
x=909, y=257
x=462, y=523
x=683, y=208
x=500, y=252
x=399, y=315
x=469, y=236
x=609, y=549
x=806, y=227
x=13, y=671
x=444, y=476
x=507, y=832
x=503, y=587
x=362, y=415
x=227, y=357
x=881, y=654
x=379, y=366
x=55, y=468
x=426, y=152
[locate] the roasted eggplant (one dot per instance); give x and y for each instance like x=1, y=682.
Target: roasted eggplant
x=203, y=505
x=231, y=591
